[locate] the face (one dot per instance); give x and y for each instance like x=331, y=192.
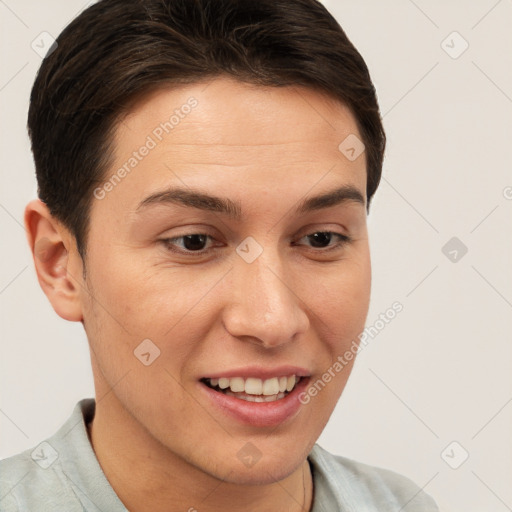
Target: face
x=210, y=265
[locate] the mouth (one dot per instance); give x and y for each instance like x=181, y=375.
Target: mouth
x=253, y=389
x=255, y=396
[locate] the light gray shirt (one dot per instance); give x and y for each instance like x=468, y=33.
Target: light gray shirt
x=62, y=474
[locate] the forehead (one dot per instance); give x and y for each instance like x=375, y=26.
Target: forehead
x=229, y=135
x=231, y=112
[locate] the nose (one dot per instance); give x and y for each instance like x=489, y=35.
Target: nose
x=263, y=306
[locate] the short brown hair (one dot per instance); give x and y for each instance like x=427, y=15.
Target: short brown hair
x=117, y=50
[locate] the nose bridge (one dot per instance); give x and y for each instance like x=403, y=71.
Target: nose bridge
x=264, y=305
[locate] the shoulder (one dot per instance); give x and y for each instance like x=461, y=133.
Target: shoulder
x=41, y=477
x=27, y=480
x=12, y=472
x=350, y=483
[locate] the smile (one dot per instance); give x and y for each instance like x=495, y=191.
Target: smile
x=253, y=389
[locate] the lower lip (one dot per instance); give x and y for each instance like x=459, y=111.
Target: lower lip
x=257, y=414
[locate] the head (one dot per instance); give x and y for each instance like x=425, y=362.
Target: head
x=203, y=197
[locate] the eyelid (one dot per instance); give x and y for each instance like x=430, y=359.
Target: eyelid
x=202, y=252
x=343, y=240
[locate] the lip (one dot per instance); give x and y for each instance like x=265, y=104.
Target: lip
x=256, y=414
x=258, y=372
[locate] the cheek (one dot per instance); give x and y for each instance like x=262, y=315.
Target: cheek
x=134, y=295
x=131, y=301
x=343, y=300
x=341, y=309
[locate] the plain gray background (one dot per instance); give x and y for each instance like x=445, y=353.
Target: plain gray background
x=435, y=385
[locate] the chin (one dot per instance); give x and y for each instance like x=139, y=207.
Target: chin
x=273, y=460
x=262, y=472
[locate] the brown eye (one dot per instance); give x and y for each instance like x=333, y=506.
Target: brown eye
x=326, y=240
x=188, y=244
x=194, y=242
x=320, y=239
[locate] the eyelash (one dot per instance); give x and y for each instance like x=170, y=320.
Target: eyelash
x=343, y=240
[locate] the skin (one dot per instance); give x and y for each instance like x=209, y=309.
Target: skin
x=157, y=439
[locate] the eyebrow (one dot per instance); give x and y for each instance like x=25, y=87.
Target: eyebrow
x=223, y=205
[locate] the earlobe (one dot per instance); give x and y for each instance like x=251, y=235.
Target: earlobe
x=56, y=260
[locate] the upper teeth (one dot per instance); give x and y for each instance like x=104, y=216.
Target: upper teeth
x=253, y=386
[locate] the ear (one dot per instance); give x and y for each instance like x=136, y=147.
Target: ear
x=57, y=262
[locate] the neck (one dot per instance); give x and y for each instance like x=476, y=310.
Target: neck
x=147, y=476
